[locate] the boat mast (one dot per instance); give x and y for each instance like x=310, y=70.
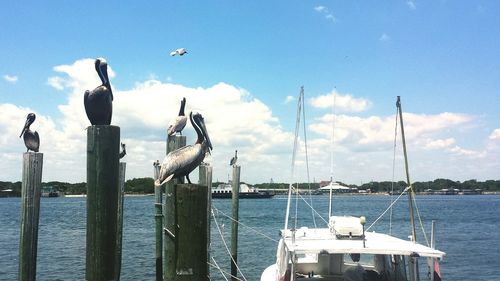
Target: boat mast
x=331, y=155
x=410, y=191
x=292, y=177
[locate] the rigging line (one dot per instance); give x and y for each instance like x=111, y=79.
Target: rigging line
x=218, y=267
x=225, y=245
x=224, y=272
x=297, y=124
x=307, y=159
x=318, y=214
x=420, y=220
x=393, y=169
x=388, y=208
x=239, y=222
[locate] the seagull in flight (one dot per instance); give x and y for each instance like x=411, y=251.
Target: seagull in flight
x=180, y=52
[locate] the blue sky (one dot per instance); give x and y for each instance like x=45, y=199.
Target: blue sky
x=442, y=57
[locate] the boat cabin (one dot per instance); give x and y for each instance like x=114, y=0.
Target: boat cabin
x=344, y=252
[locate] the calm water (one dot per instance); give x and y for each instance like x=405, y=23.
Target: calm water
x=467, y=230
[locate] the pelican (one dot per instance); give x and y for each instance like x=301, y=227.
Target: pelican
x=99, y=102
x=180, y=121
x=124, y=151
x=31, y=139
x=184, y=160
x=234, y=159
x=180, y=52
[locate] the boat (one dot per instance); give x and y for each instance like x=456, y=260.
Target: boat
x=225, y=191
x=344, y=249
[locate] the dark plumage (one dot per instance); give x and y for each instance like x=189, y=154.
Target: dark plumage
x=99, y=102
x=31, y=139
x=124, y=151
x=184, y=160
x=180, y=120
x=234, y=159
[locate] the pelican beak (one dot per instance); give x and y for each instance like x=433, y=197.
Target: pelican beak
x=26, y=125
x=205, y=133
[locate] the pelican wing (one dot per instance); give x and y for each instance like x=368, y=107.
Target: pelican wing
x=178, y=126
x=180, y=162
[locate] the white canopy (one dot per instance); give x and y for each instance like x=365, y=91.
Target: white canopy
x=314, y=241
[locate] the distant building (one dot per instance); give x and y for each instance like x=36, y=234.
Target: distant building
x=336, y=188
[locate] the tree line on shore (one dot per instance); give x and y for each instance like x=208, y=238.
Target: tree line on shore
x=146, y=186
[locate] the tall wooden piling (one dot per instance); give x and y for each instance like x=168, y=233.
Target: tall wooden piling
x=205, y=179
x=186, y=227
x=234, y=225
x=158, y=224
x=119, y=230
x=30, y=214
x=103, y=144
x=173, y=143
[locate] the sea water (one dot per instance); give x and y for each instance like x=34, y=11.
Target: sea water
x=468, y=230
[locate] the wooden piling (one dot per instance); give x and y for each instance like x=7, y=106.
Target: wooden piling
x=119, y=230
x=186, y=231
x=205, y=179
x=158, y=225
x=103, y=142
x=234, y=224
x=173, y=143
x=30, y=213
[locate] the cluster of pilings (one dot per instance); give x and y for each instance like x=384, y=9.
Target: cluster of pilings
x=182, y=214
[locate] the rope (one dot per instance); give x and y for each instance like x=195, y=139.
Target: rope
x=388, y=208
x=240, y=223
x=314, y=210
x=307, y=159
x=393, y=168
x=218, y=267
x=225, y=245
x=420, y=220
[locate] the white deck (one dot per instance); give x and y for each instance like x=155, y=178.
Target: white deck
x=310, y=241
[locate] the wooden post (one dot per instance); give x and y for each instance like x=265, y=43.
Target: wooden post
x=158, y=225
x=30, y=213
x=234, y=225
x=205, y=179
x=103, y=143
x=187, y=233
x=173, y=143
x=119, y=230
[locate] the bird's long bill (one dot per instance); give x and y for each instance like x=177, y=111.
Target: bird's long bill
x=26, y=125
x=205, y=133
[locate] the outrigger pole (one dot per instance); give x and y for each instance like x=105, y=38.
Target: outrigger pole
x=410, y=191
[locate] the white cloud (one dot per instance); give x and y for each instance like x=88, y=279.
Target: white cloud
x=343, y=103
x=324, y=10
x=411, y=5
x=288, y=99
x=439, y=143
x=235, y=120
x=384, y=37
x=10, y=78
x=319, y=8
x=495, y=135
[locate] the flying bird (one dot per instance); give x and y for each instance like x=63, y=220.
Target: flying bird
x=234, y=159
x=31, y=139
x=184, y=160
x=180, y=120
x=180, y=52
x=99, y=102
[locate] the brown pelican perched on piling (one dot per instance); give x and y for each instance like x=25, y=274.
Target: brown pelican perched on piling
x=184, y=160
x=31, y=139
x=180, y=120
x=99, y=102
x=234, y=159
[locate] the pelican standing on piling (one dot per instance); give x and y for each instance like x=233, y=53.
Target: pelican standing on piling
x=31, y=139
x=234, y=159
x=99, y=102
x=180, y=120
x=184, y=160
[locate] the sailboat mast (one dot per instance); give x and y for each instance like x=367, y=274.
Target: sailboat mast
x=410, y=192
x=331, y=155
